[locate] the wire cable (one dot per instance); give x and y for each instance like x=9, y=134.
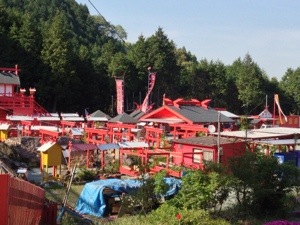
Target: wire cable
x=106, y=21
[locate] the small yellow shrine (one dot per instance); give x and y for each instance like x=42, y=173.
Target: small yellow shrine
x=51, y=157
x=4, y=129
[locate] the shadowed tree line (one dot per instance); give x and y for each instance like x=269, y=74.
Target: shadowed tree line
x=72, y=58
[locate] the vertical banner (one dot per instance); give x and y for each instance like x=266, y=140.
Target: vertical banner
x=145, y=105
x=120, y=96
x=280, y=112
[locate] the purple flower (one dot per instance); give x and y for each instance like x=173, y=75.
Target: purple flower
x=282, y=222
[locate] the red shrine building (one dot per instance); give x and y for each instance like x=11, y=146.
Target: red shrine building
x=13, y=99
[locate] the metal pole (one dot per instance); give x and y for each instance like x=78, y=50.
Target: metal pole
x=112, y=105
x=246, y=121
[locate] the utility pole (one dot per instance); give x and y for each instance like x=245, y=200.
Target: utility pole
x=218, y=143
x=112, y=105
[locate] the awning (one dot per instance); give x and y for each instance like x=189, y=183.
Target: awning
x=108, y=146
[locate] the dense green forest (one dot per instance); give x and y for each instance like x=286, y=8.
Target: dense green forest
x=72, y=59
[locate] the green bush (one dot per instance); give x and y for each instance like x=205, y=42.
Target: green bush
x=86, y=175
x=168, y=214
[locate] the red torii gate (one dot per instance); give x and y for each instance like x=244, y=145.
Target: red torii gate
x=47, y=135
x=96, y=136
x=81, y=148
x=65, y=124
x=26, y=124
x=118, y=131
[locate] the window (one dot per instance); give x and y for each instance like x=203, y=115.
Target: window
x=201, y=155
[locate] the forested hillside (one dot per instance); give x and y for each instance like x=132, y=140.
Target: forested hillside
x=72, y=58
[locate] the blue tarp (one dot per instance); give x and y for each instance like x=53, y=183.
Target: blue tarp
x=92, y=200
x=108, y=146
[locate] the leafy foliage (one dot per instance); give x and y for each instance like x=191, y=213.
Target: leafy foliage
x=72, y=57
x=262, y=185
x=201, y=190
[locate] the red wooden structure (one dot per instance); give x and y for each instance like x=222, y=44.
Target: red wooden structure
x=21, y=201
x=97, y=136
x=119, y=132
x=49, y=135
x=14, y=101
x=196, y=150
x=82, y=154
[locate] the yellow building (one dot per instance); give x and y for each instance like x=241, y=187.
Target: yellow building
x=4, y=129
x=51, y=158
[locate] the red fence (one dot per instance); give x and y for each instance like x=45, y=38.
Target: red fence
x=21, y=202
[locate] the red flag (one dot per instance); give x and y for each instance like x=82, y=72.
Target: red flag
x=145, y=105
x=120, y=95
x=276, y=99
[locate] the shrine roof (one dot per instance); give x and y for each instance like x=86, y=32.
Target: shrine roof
x=19, y=118
x=123, y=118
x=200, y=115
x=98, y=116
x=9, y=78
x=137, y=114
x=4, y=126
x=72, y=118
x=108, y=146
x=45, y=147
x=83, y=147
x=48, y=118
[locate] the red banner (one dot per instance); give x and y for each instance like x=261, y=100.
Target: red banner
x=145, y=105
x=120, y=96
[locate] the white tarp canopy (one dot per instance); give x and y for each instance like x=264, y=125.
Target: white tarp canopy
x=133, y=145
x=279, y=142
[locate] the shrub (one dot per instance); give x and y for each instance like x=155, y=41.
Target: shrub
x=168, y=214
x=86, y=175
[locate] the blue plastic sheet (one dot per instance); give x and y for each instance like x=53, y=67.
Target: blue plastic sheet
x=92, y=200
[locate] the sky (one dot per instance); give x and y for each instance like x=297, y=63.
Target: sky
x=224, y=30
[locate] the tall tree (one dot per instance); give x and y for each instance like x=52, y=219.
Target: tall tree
x=291, y=85
x=162, y=53
x=189, y=69
x=57, y=55
x=248, y=81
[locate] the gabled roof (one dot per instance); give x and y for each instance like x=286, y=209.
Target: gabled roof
x=9, y=78
x=137, y=114
x=185, y=113
x=45, y=147
x=123, y=118
x=4, y=126
x=265, y=114
x=98, y=116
